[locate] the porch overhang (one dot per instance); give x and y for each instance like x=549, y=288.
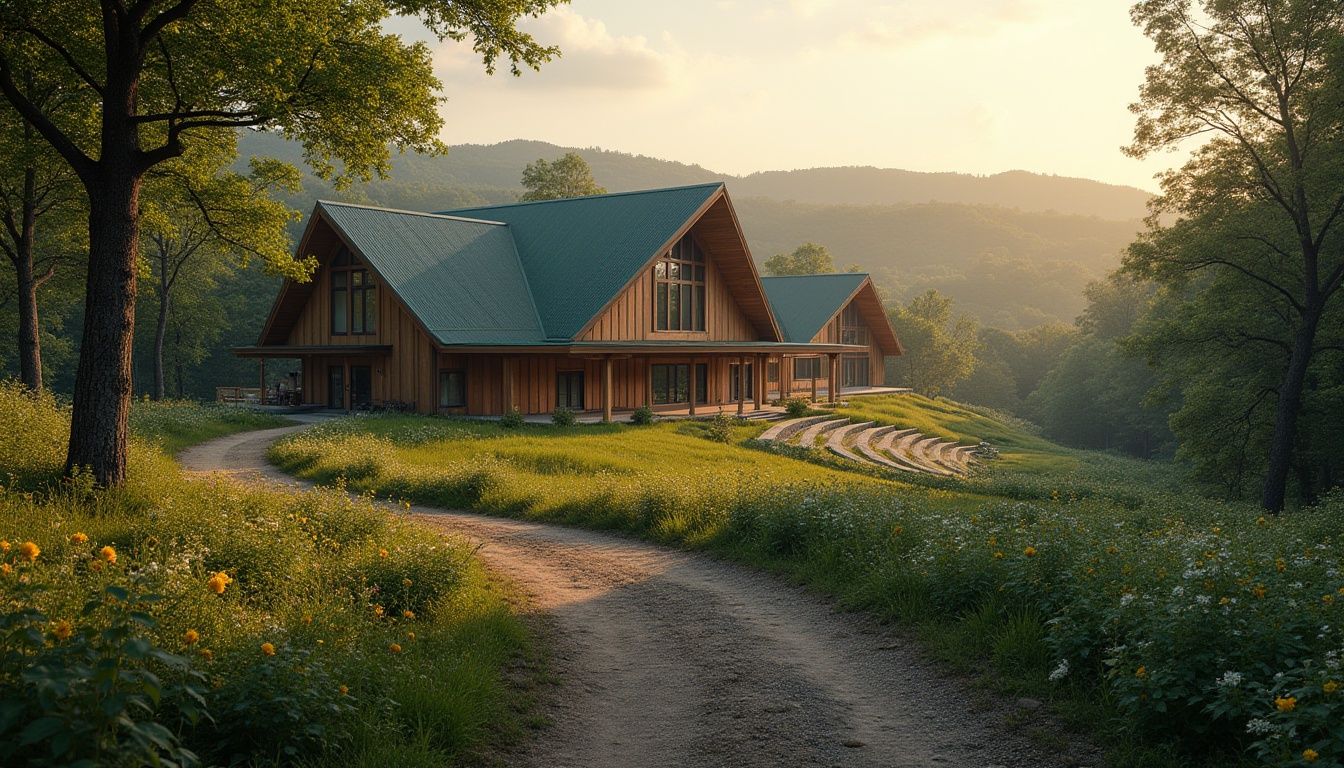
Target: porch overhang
x=319, y=350
x=679, y=348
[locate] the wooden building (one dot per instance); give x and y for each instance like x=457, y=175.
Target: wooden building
x=599, y=303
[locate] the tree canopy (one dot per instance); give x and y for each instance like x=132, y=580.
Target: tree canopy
x=163, y=72
x=568, y=176
x=806, y=259
x=1254, y=261
x=939, y=351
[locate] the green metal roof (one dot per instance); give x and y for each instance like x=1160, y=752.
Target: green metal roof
x=461, y=277
x=579, y=252
x=804, y=303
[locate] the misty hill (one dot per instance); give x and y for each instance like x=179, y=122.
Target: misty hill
x=1014, y=249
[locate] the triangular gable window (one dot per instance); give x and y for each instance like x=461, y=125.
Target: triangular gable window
x=679, y=288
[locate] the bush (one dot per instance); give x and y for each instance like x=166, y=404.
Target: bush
x=721, y=428
x=564, y=417
x=796, y=407
x=643, y=416
x=511, y=420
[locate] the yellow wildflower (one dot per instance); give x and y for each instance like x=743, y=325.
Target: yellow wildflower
x=79, y=538
x=407, y=582
x=411, y=635
x=307, y=619
x=899, y=529
x=1286, y=703
x=4, y=546
x=395, y=648
x=1259, y=591
x=382, y=553
x=1141, y=672
x=62, y=630
x=343, y=690
x=1030, y=551
x=191, y=637
x=378, y=609
x=1330, y=687
x=267, y=649
x=6, y=569
x=29, y=551
x=1280, y=565
x=109, y=554
x=1224, y=601
x=408, y=614
x=207, y=654
x=1261, y=521
x=1310, y=755
x=1328, y=599
x=998, y=554
x=218, y=582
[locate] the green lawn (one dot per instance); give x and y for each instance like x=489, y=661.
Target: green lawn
x=1164, y=623
x=177, y=424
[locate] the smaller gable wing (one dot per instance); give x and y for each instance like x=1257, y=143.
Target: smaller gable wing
x=804, y=304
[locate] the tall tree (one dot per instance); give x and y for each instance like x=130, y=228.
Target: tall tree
x=1260, y=201
x=163, y=71
x=197, y=219
x=939, y=351
x=806, y=259
x=568, y=176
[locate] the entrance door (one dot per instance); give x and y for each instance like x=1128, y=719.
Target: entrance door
x=336, y=387
x=361, y=386
x=569, y=390
x=854, y=371
x=736, y=390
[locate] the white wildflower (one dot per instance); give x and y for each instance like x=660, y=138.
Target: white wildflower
x=1061, y=671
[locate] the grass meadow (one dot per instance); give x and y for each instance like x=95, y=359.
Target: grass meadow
x=175, y=621
x=1176, y=629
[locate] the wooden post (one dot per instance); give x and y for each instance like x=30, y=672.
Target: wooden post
x=508, y=385
x=814, y=380
x=691, y=410
x=834, y=384
x=606, y=388
x=648, y=382
x=741, y=384
x=762, y=363
x=261, y=396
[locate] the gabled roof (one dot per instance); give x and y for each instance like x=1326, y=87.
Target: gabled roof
x=578, y=253
x=460, y=277
x=804, y=304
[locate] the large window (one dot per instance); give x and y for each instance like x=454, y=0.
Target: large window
x=852, y=328
x=736, y=390
x=354, y=297
x=679, y=288
x=671, y=384
x=854, y=371
x=810, y=368
x=452, y=389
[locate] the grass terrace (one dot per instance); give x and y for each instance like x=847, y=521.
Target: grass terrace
x=1178, y=630
x=203, y=622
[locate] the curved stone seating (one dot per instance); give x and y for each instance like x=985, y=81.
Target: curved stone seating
x=836, y=443
x=786, y=429
x=903, y=450
x=810, y=435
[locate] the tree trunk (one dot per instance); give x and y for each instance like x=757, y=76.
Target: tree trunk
x=161, y=330
x=30, y=344
x=102, y=393
x=1286, y=413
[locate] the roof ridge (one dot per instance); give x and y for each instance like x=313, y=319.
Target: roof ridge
x=587, y=197
x=430, y=214
x=820, y=274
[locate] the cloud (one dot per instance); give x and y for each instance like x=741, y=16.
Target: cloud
x=918, y=21
x=592, y=59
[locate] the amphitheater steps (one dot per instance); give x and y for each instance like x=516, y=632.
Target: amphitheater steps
x=836, y=442
x=902, y=450
x=873, y=452
x=785, y=429
x=810, y=435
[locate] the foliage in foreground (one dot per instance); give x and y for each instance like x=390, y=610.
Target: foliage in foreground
x=176, y=621
x=1180, y=629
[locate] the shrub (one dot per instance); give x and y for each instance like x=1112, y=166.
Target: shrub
x=511, y=420
x=564, y=417
x=721, y=428
x=796, y=407
x=643, y=416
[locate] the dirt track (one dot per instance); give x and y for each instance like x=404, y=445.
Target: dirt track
x=674, y=659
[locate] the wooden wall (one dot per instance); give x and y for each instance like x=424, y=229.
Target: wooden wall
x=631, y=316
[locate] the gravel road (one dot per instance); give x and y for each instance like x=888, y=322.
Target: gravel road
x=669, y=658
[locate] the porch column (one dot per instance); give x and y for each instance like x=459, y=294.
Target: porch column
x=261, y=398
x=814, y=381
x=741, y=384
x=834, y=385
x=760, y=374
x=691, y=410
x=508, y=385
x=648, y=382
x=606, y=388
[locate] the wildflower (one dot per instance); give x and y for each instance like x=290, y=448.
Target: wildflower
x=1310, y=755
x=4, y=546
x=109, y=554
x=899, y=529
x=395, y=648
x=218, y=582
x=1230, y=680
x=191, y=637
x=6, y=569
x=1224, y=601
x=411, y=635
x=207, y=654
x=62, y=630
x=1330, y=686
x=307, y=619
x=1055, y=494
x=1060, y=672
x=407, y=582
x=267, y=649
x=1141, y=672
x=1280, y=565
x=1029, y=551
x=95, y=565
x=29, y=551
x=1259, y=727
x=1328, y=599
x=1261, y=521
x=1286, y=703
x=382, y=553
x=1259, y=591
x=408, y=614
x=378, y=610
x=998, y=554
x=343, y=690
x=79, y=538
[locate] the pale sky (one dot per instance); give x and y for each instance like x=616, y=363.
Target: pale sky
x=737, y=86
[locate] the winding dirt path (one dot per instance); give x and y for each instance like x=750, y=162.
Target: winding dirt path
x=669, y=658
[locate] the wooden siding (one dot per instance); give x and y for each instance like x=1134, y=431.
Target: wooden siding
x=631, y=316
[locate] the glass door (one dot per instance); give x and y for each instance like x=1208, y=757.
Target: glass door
x=361, y=386
x=336, y=387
